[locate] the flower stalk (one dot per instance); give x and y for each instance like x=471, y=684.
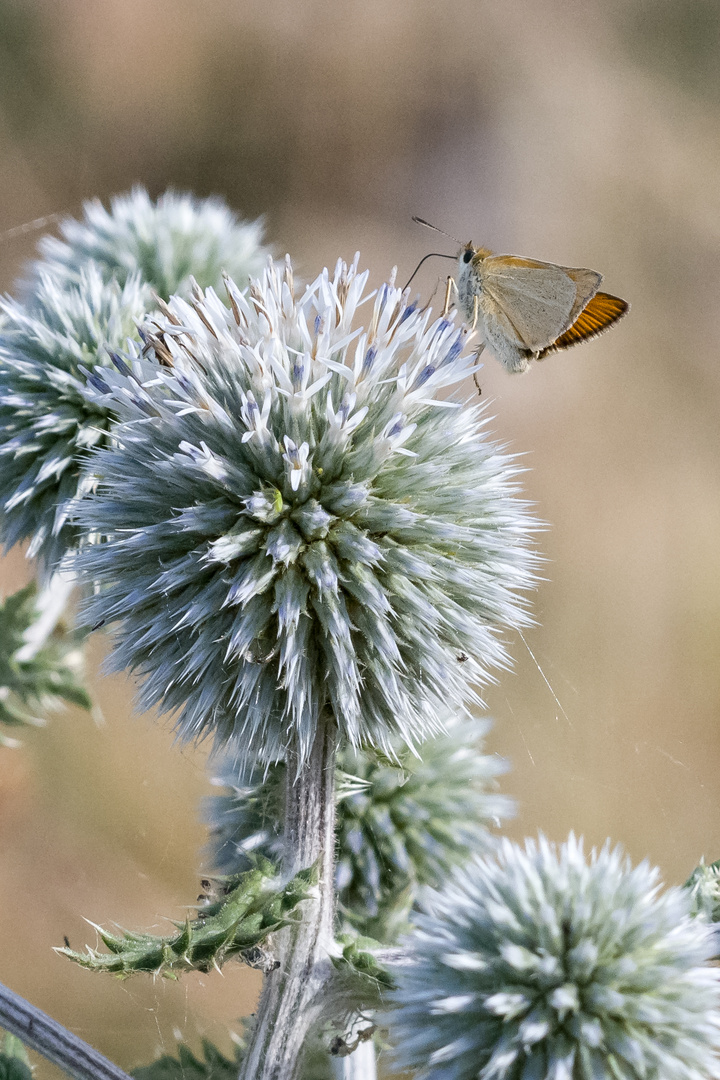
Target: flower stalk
x=291, y=995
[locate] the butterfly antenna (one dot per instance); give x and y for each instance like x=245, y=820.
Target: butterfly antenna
x=422, y=221
x=432, y=255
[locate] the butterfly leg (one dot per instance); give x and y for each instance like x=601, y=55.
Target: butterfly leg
x=476, y=312
x=449, y=286
x=475, y=374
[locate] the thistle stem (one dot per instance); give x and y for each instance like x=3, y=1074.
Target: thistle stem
x=291, y=995
x=41, y=1033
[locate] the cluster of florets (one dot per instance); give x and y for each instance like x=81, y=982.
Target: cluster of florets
x=47, y=424
x=167, y=243
x=298, y=523
x=399, y=825
x=83, y=301
x=542, y=963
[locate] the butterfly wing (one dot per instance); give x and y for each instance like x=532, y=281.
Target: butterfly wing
x=587, y=283
x=539, y=299
x=503, y=339
x=599, y=314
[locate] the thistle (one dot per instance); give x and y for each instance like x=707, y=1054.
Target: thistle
x=304, y=544
x=297, y=524
x=399, y=825
x=164, y=243
x=542, y=963
x=47, y=423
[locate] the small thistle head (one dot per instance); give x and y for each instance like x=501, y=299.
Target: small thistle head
x=164, y=243
x=297, y=524
x=47, y=423
x=399, y=826
x=542, y=963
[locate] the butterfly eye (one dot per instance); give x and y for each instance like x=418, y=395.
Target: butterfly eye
x=467, y=255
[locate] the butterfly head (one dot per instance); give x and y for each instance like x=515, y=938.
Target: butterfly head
x=470, y=257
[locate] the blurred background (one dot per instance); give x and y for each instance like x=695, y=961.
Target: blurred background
x=585, y=134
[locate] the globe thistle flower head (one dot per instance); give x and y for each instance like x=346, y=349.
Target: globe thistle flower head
x=297, y=524
x=399, y=826
x=47, y=423
x=164, y=242
x=542, y=963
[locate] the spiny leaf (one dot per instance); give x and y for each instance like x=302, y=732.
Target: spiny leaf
x=213, y=1065
x=251, y=906
x=31, y=687
x=186, y=1066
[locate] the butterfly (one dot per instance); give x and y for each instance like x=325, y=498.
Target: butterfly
x=523, y=309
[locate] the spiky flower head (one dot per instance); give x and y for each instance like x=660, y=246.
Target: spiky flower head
x=47, y=423
x=542, y=963
x=297, y=524
x=165, y=243
x=399, y=825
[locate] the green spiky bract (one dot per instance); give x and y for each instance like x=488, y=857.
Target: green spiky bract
x=399, y=826
x=298, y=524
x=164, y=242
x=253, y=905
x=542, y=963
x=28, y=688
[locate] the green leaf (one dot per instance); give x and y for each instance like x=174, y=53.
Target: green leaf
x=29, y=688
x=359, y=954
x=361, y=982
x=14, y=1060
x=213, y=1066
x=251, y=906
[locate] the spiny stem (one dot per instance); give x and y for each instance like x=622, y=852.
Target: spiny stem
x=40, y=1032
x=291, y=995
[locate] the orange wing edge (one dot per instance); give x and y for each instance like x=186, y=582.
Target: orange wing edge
x=598, y=315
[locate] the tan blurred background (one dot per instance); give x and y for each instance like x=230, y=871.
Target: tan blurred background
x=581, y=133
